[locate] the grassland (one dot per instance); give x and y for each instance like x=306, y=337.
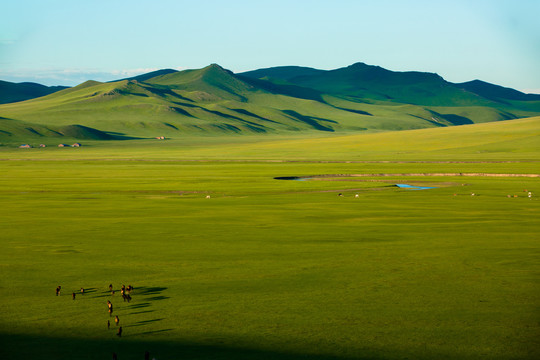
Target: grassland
x=269, y=269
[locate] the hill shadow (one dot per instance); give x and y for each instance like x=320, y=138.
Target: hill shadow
x=310, y=120
x=296, y=91
x=251, y=125
x=359, y=112
x=164, y=92
x=249, y=113
x=181, y=111
x=456, y=119
x=121, y=136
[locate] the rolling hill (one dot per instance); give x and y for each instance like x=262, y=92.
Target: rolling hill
x=14, y=92
x=213, y=101
x=410, y=87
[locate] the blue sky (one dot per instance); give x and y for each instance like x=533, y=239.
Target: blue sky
x=65, y=42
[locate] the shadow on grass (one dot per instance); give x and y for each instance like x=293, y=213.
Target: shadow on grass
x=145, y=290
x=143, y=322
x=89, y=291
x=139, y=306
x=133, y=347
x=152, y=332
x=141, y=312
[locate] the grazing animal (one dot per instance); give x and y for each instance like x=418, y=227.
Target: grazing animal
x=119, y=333
x=208, y=196
x=356, y=195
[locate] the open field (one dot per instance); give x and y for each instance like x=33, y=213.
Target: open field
x=272, y=269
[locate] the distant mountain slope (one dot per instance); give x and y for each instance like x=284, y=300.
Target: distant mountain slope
x=13, y=92
x=210, y=100
x=496, y=92
x=373, y=82
x=213, y=101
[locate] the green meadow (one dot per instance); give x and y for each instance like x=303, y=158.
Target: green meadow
x=229, y=263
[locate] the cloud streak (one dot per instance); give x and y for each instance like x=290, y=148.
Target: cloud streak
x=530, y=91
x=70, y=77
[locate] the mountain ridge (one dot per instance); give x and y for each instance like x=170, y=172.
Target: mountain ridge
x=213, y=100
x=15, y=92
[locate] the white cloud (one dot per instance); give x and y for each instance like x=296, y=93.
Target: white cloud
x=530, y=91
x=132, y=72
x=69, y=77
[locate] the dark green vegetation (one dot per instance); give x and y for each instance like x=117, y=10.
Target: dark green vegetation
x=270, y=269
x=284, y=100
x=13, y=92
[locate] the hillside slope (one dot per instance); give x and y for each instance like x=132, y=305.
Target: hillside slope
x=213, y=101
x=411, y=87
x=13, y=92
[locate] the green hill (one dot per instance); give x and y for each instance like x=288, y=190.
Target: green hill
x=213, y=101
x=373, y=82
x=495, y=92
x=13, y=92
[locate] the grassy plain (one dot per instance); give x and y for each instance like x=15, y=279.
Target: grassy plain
x=272, y=269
